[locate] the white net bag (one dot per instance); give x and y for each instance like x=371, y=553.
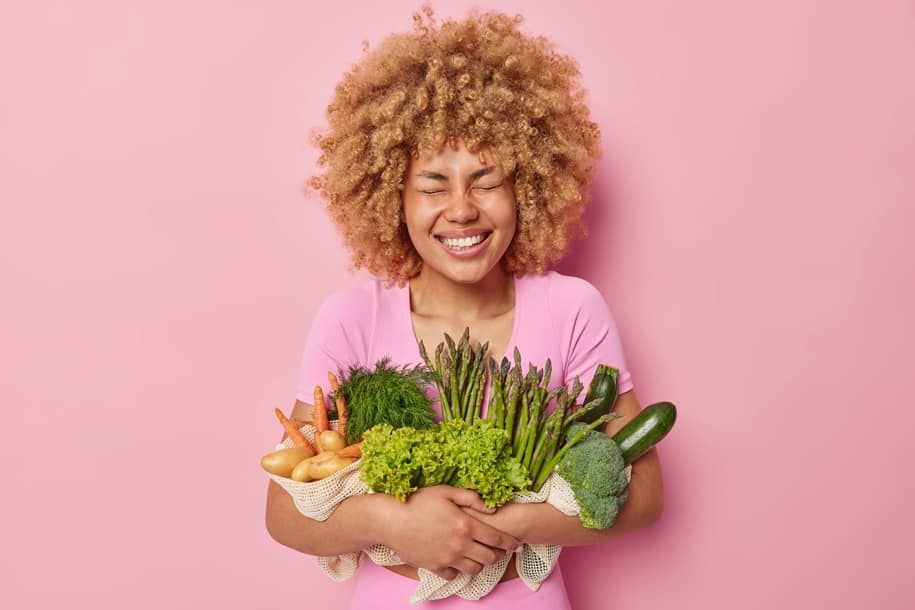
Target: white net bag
x=534, y=562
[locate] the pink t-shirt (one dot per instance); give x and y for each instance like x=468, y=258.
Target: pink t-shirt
x=560, y=317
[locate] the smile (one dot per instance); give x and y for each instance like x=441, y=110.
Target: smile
x=465, y=247
x=463, y=242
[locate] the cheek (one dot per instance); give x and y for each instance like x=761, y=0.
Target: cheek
x=418, y=219
x=506, y=217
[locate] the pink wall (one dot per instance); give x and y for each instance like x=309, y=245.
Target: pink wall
x=751, y=229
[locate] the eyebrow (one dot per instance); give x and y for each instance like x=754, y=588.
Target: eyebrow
x=443, y=178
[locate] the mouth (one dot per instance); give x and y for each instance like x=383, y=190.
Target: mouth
x=465, y=247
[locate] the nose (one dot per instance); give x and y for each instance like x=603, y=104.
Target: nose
x=461, y=209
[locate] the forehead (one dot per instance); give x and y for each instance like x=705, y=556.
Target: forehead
x=459, y=157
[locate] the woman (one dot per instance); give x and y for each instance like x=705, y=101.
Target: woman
x=456, y=166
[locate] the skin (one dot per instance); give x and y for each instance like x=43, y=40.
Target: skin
x=452, y=190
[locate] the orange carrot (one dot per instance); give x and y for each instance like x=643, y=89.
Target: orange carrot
x=320, y=415
x=354, y=451
x=334, y=384
x=298, y=439
x=340, y=402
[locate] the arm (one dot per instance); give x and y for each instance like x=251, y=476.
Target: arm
x=541, y=523
x=434, y=513
x=352, y=527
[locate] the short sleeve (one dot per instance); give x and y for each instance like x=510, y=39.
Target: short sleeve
x=588, y=334
x=328, y=348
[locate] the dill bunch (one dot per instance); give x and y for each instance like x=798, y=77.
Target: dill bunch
x=387, y=394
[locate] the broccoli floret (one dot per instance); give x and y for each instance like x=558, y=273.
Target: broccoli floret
x=597, y=512
x=595, y=470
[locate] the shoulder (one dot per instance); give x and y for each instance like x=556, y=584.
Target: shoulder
x=344, y=324
x=571, y=285
x=566, y=295
x=353, y=303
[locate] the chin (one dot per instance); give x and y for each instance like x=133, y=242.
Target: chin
x=470, y=276
x=467, y=279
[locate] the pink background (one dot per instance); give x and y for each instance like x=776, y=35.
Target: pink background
x=751, y=229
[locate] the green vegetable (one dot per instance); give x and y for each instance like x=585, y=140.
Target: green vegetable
x=387, y=394
x=459, y=371
x=388, y=463
x=595, y=469
x=472, y=456
x=603, y=387
x=645, y=430
x=518, y=403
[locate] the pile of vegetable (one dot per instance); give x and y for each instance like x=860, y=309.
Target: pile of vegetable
x=595, y=467
x=305, y=462
x=385, y=417
x=513, y=448
x=518, y=402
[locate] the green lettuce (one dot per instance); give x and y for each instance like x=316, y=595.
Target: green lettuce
x=398, y=461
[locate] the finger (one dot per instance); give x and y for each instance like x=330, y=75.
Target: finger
x=470, y=499
x=483, y=554
x=468, y=566
x=492, y=537
x=446, y=573
x=473, y=512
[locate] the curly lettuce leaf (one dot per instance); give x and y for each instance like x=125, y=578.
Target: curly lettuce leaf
x=398, y=461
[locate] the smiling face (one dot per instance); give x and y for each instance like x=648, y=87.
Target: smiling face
x=459, y=208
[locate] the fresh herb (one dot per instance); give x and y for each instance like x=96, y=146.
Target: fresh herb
x=387, y=394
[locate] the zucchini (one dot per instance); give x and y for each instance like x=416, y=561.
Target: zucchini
x=603, y=386
x=645, y=430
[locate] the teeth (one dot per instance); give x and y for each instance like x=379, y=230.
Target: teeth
x=464, y=242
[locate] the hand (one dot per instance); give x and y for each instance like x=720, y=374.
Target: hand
x=432, y=531
x=509, y=518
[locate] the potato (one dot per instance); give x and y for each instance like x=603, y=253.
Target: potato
x=283, y=461
x=331, y=440
x=319, y=469
x=300, y=472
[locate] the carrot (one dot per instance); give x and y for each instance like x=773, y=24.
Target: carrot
x=340, y=402
x=334, y=384
x=320, y=416
x=354, y=451
x=298, y=439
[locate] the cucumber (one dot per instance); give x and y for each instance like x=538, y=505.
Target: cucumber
x=603, y=386
x=645, y=430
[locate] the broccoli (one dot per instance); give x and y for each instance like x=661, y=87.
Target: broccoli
x=595, y=470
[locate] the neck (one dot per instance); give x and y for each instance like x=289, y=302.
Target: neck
x=434, y=295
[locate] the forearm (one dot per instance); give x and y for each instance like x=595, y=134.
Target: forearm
x=544, y=524
x=354, y=525
x=541, y=523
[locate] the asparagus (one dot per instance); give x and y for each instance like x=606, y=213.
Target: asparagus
x=518, y=403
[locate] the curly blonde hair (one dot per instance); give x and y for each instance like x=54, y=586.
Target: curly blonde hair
x=480, y=80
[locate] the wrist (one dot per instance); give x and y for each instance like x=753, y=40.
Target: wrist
x=525, y=519
x=382, y=516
